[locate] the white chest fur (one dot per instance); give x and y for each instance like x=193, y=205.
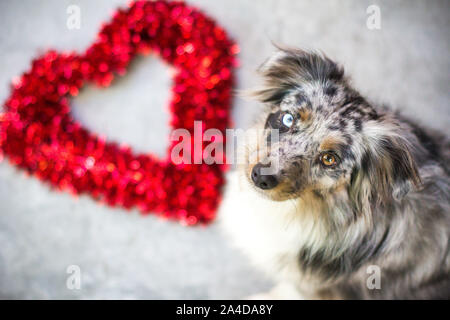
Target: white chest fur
x=271, y=233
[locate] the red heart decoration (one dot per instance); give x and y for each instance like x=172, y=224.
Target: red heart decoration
x=38, y=133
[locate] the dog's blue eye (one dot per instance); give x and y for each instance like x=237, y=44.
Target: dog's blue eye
x=287, y=120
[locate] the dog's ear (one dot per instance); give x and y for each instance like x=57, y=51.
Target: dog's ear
x=388, y=169
x=289, y=69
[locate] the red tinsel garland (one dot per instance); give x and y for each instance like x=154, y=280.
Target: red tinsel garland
x=38, y=133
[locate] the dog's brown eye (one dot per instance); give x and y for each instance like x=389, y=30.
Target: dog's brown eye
x=328, y=159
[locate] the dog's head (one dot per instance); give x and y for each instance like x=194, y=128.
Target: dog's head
x=330, y=139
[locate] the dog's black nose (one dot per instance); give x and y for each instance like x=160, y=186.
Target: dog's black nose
x=263, y=181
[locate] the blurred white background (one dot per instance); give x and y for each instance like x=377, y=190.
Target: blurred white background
x=124, y=255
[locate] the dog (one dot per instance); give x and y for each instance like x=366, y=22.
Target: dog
x=358, y=206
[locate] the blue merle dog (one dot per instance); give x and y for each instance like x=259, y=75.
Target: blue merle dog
x=359, y=205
